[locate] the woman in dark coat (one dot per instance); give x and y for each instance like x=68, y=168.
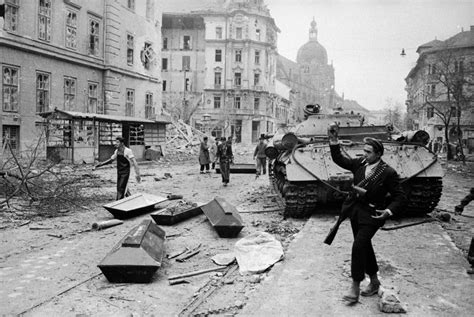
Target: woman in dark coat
x=204, y=159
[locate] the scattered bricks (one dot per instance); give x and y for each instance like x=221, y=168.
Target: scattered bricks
x=389, y=302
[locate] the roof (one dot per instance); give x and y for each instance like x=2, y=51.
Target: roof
x=188, y=6
x=100, y=117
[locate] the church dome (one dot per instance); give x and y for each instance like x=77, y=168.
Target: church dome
x=312, y=52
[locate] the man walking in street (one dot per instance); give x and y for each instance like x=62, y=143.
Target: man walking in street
x=367, y=207
x=259, y=155
x=224, y=153
x=125, y=158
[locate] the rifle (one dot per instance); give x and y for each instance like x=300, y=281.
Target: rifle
x=345, y=212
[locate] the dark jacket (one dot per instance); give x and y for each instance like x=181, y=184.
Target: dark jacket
x=387, y=183
x=260, y=150
x=224, y=151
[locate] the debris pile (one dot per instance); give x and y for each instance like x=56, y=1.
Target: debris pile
x=182, y=141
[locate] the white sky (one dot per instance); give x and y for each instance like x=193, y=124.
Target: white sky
x=364, y=39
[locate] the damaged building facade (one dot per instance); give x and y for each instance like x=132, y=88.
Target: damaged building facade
x=442, y=83
x=84, y=72
x=219, y=62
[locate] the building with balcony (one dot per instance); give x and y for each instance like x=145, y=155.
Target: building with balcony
x=442, y=82
x=84, y=71
x=232, y=73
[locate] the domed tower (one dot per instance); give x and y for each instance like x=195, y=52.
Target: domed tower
x=312, y=53
x=316, y=75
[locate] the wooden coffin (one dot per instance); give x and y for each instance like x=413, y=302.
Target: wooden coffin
x=176, y=212
x=224, y=217
x=241, y=168
x=137, y=256
x=133, y=205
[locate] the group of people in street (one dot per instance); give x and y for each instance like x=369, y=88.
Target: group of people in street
x=219, y=151
x=365, y=206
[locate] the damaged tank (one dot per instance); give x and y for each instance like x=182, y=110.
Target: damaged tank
x=303, y=173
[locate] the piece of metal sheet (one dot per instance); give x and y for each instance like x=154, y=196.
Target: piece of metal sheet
x=224, y=217
x=133, y=205
x=137, y=256
x=241, y=168
x=174, y=213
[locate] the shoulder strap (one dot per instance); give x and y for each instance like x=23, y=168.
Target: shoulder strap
x=374, y=174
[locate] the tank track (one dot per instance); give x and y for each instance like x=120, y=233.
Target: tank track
x=423, y=194
x=299, y=200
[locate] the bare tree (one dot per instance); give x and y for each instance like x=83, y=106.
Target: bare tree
x=180, y=107
x=448, y=93
x=394, y=114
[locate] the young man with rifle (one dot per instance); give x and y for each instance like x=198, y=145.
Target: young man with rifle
x=367, y=208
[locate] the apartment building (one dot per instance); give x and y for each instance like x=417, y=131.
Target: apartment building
x=84, y=71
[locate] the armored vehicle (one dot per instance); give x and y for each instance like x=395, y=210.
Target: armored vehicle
x=302, y=171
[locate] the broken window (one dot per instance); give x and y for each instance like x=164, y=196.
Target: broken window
x=42, y=92
x=149, y=109
x=69, y=93
x=164, y=85
x=148, y=55
x=11, y=15
x=11, y=136
x=137, y=135
x=257, y=34
x=165, y=43
x=130, y=103
x=10, y=88
x=92, y=97
x=71, y=29
x=164, y=64
x=130, y=45
x=93, y=37
x=44, y=20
